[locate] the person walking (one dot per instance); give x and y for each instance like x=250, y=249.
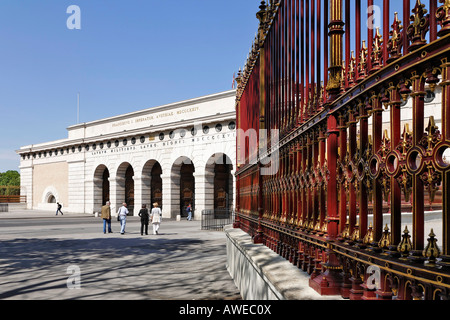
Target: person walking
x=155, y=217
x=122, y=215
x=59, y=208
x=143, y=213
x=106, y=216
x=189, y=212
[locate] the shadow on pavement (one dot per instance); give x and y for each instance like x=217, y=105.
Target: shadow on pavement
x=115, y=268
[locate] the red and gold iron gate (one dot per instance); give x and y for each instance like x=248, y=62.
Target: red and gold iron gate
x=338, y=89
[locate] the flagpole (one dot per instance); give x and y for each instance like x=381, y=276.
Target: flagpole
x=78, y=108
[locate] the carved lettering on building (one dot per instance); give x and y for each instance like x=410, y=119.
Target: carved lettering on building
x=155, y=117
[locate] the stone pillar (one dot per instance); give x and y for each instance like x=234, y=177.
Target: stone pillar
x=170, y=194
x=93, y=195
x=146, y=191
x=138, y=199
x=116, y=191
x=77, y=187
x=204, y=192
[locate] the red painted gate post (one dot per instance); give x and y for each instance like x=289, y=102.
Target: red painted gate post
x=329, y=282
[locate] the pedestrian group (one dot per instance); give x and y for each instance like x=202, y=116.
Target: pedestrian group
x=146, y=217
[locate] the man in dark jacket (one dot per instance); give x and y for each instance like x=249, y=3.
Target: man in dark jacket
x=143, y=213
x=59, y=208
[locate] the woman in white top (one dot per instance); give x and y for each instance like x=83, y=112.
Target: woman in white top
x=155, y=217
x=122, y=215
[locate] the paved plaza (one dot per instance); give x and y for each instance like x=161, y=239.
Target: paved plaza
x=43, y=256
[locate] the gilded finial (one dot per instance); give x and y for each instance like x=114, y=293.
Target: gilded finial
x=431, y=251
x=385, y=238
x=405, y=245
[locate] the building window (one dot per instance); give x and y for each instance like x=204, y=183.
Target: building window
x=116, y=143
x=193, y=131
x=108, y=144
x=73, y=149
x=171, y=135
x=94, y=146
x=183, y=133
x=125, y=142
x=101, y=145
x=79, y=148
x=205, y=129
x=232, y=125
x=142, y=139
x=87, y=147
x=161, y=136
x=133, y=140
x=218, y=127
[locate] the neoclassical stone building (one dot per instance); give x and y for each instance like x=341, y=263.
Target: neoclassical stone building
x=174, y=154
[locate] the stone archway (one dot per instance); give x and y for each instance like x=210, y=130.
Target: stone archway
x=101, y=187
x=182, y=186
x=125, y=186
x=219, y=166
x=187, y=188
x=152, y=184
x=51, y=199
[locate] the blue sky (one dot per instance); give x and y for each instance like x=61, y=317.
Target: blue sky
x=129, y=55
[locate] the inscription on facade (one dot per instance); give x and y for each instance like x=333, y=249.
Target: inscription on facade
x=165, y=143
x=155, y=117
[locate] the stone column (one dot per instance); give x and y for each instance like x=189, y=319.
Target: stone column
x=170, y=195
x=93, y=195
x=146, y=191
x=138, y=199
x=116, y=190
x=204, y=192
x=78, y=187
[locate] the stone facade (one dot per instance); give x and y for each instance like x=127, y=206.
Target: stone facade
x=183, y=147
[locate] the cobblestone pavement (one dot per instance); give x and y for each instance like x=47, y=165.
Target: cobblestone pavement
x=43, y=256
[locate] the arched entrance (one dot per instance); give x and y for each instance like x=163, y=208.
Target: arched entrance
x=156, y=190
x=105, y=186
x=129, y=188
x=125, y=186
x=220, y=166
x=101, y=187
x=187, y=188
x=182, y=186
x=152, y=184
x=51, y=199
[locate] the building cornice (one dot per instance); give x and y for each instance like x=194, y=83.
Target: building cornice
x=181, y=104
x=65, y=143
